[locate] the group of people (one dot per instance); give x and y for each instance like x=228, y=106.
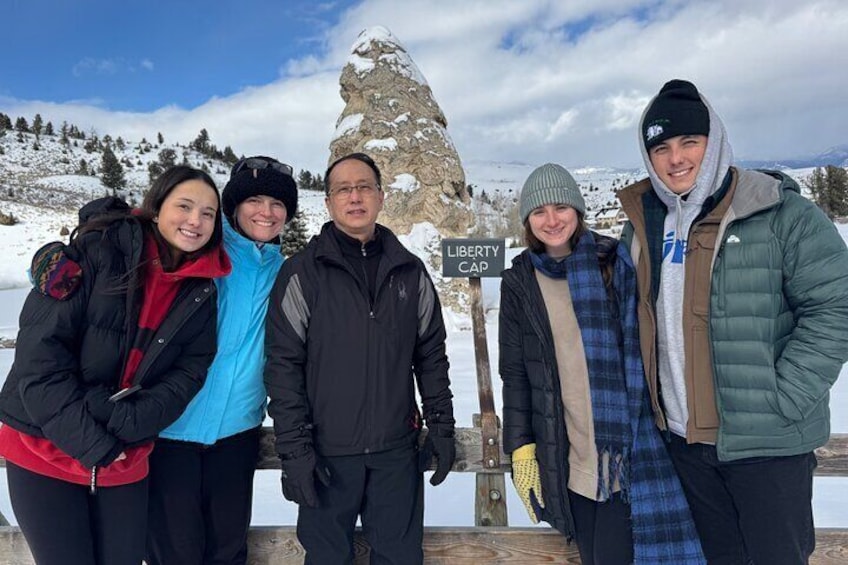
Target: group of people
x=662, y=393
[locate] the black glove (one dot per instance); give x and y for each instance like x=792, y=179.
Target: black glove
x=97, y=403
x=299, y=474
x=439, y=443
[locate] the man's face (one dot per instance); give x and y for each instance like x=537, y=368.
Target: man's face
x=677, y=161
x=354, y=199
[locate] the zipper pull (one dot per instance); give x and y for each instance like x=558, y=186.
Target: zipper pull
x=93, y=482
x=362, y=249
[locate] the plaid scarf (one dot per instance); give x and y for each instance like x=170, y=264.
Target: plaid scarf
x=663, y=530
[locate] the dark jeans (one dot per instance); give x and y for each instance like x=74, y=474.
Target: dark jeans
x=603, y=530
x=386, y=490
x=64, y=524
x=756, y=510
x=200, y=501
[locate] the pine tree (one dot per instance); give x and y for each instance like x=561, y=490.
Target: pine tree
x=37, y=125
x=160, y=138
x=167, y=158
x=304, y=180
x=5, y=121
x=295, y=237
x=83, y=167
x=201, y=142
x=22, y=125
x=229, y=156
x=830, y=190
x=112, y=171
x=48, y=129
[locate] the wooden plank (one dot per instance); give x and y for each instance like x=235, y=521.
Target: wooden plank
x=833, y=457
x=278, y=545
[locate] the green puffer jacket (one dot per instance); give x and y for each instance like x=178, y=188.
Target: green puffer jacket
x=778, y=316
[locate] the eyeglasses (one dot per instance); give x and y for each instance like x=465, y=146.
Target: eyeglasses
x=258, y=163
x=345, y=192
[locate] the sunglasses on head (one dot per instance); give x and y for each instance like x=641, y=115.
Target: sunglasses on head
x=258, y=163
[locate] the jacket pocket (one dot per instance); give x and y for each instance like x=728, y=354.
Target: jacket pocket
x=701, y=252
x=704, y=394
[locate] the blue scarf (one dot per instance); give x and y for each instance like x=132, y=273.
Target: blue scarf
x=663, y=530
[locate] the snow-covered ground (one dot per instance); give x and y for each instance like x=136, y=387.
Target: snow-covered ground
x=452, y=503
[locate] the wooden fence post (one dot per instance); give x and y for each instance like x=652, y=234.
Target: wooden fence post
x=490, y=494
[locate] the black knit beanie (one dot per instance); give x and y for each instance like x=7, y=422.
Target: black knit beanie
x=676, y=110
x=247, y=182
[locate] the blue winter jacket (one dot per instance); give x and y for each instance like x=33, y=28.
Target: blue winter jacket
x=233, y=398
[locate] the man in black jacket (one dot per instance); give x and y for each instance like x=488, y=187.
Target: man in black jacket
x=351, y=319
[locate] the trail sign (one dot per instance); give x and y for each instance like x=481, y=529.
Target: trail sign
x=473, y=258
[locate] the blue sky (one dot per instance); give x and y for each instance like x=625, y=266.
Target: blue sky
x=140, y=56
x=532, y=81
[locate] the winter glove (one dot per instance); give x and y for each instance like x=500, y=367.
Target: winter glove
x=439, y=443
x=98, y=405
x=525, y=477
x=299, y=474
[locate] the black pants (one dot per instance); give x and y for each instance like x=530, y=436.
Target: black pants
x=66, y=525
x=603, y=530
x=386, y=490
x=200, y=501
x=756, y=510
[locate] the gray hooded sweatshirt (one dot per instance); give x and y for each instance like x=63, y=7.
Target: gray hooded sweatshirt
x=682, y=211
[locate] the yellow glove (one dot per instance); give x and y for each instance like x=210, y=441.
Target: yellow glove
x=525, y=477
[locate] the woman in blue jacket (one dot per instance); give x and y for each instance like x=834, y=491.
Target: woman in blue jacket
x=201, y=479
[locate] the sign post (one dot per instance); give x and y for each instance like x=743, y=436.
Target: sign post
x=476, y=258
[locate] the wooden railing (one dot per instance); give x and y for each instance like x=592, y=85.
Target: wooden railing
x=473, y=545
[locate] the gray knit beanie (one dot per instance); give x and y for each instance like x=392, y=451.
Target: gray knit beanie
x=550, y=184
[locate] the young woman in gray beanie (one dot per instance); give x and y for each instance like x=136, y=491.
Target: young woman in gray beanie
x=201, y=477
x=586, y=456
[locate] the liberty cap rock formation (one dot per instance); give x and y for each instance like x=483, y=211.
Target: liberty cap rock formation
x=390, y=113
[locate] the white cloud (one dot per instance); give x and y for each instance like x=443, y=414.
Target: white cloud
x=147, y=64
x=543, y=80
x=96, y=66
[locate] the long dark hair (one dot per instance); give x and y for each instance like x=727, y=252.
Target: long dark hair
x=150, y=206
x=159, y=191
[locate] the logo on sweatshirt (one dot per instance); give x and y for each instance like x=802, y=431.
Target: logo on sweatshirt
x=673, y=248
x=733, y=238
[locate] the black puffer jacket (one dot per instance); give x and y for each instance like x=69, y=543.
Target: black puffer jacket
x=340, y=366
x=65, y=348
x=532, y=399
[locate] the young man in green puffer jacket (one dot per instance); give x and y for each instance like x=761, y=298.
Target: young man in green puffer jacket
x=743, y=325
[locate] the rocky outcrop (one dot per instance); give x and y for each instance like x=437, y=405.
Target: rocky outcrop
x=390, y=114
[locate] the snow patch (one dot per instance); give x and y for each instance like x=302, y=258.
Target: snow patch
x=405, y=183
x=387, y=144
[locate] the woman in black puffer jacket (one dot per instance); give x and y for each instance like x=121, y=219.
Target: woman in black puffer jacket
x=115, y=339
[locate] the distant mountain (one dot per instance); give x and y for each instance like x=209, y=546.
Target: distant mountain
x=836, y=156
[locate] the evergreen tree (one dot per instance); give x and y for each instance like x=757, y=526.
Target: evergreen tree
x=160, y=138
x=37, y=125
x=830, y=190
x=48, y=129
x=201, y=142
x=112, y=172
x=22, y=125
x=229, y=156
x=295, y=237
x=120, y=143
x=305, y=180
x=167, y=158
x=5, y=121
x=318, y=183
x=83, y=167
